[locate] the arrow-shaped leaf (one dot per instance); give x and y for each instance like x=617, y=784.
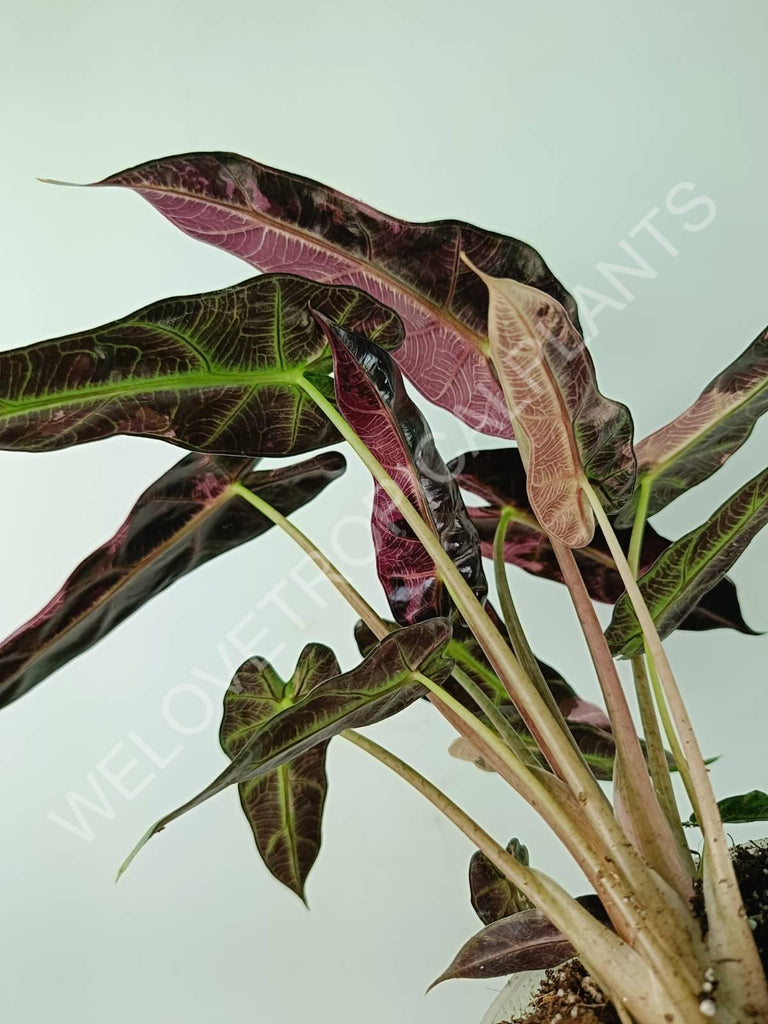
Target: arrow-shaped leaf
x=691, y=566
x=526, y=941
x=497, y=475
x=493, y=895
x=740, y=810
x=188, y=516
x=695, y=444
x=280, y=221
x=284, y=807
x=386, y=682
x=371, y=395
x=568, y=432
x=217, y=372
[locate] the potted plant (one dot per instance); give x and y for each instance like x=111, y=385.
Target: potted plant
x=313, y=352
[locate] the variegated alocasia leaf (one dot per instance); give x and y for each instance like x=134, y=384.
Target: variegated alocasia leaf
x=695, y=444
x=284, y=807
x=386, y=682
x=526, y=941
x=280, y=221
x=689, y=567
x=493, y=895
x=497, y=475
x=568, y=432
x=371, y=395
x=219, y=372
x=189, y=515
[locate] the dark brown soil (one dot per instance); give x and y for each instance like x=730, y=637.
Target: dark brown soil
x=568, y=993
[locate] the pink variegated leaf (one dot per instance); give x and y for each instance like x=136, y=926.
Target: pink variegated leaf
x=280, y=221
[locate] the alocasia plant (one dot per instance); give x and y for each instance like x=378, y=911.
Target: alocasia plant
x=312, y=353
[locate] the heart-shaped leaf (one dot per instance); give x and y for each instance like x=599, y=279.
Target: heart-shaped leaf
x=568, y=432
x=219, y=372
x=526, y=941
x=371, y=395
x=740, y=810
x=697, y=443
x=189, y=515
x=386, y=682
x=493, y=895
x=497, y=475
x=280, y=221
x=691, y=566
x=284, y=807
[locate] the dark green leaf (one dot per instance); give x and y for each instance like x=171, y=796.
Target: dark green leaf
x=188, y=516
x=219, y=372
x=742, y=809
x=691, y=566
x=383, y=684
x=284, y=807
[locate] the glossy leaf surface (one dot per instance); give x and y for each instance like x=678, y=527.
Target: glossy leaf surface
x=280, y=221
x=566, y=429
x=188, y=516
x=284, y=807
x=383, y=684
x=742, y=809
x=218, y=372
x=498, y=476
x=691, y=566
x=493, y=895
x=371, y=395
x=697, y=443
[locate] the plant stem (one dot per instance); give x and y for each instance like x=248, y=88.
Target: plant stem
x=653, y=831
x=744, y=970
x=657, y=758
x=339, y=581
x=619, y=971
x=616, y=863
x=517, y=636
x=566, y=761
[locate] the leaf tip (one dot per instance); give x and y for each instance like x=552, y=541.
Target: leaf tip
x=66, y=184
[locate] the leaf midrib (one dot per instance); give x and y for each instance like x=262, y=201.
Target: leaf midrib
x=478, y=341
x=151, y=385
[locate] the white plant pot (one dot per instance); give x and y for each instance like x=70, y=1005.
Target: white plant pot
x=515, y=998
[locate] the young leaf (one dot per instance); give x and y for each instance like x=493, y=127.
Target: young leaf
x=568, y=432
x=740, y=810
x=188, y=516
x=280, y=221
x=695, y=444
x=498, y=476
x=383, y=684
x=284, y=807
x=526, y=941
x=371, y=395
x=493, y=895
x=217, y=372
x=687, y=569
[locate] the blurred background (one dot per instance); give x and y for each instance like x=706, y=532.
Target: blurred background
x=572, y=126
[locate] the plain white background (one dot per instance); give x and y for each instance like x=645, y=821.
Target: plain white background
x=563, y=124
